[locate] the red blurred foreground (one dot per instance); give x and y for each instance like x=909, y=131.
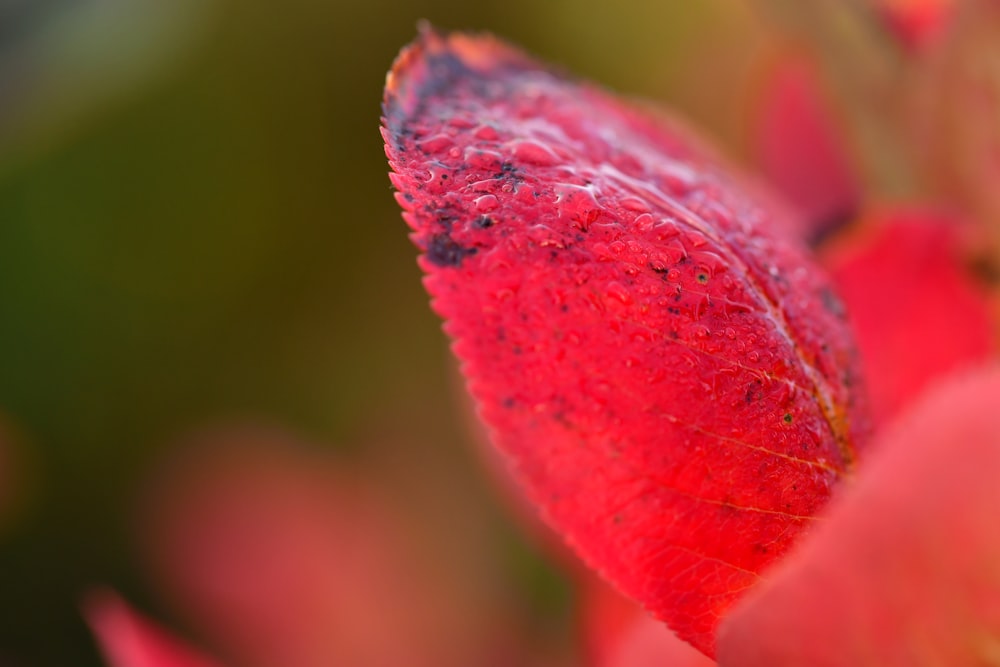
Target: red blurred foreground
x=904, y=571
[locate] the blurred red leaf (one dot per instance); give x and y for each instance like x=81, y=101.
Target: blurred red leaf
x=288, y=560
x=798, y=143
x=668, y=371
x=916, y=309
x=918, y=24
x=603, y=617
x=129, y=640
x=904, y=570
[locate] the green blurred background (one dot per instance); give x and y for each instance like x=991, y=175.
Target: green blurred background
x=196, y=224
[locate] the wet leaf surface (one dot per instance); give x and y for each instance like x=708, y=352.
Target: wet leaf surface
x=670, y=374
x=904, y=571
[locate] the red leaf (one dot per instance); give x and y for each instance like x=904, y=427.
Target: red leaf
x=667, y=370
x=129, y=640
x=916, y=310
x=288, y=559
x=799, y=144
x=918, y=24
x=904, y=571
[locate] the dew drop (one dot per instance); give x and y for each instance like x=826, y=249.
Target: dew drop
x=634, y=204
x=578, y=203
x=533, y=152
x=462, y=122
x=618, y=291
x=484, y=160
x=696, y=239
x=644, y=222
x=487, y=203
x=486, y=133
x=711, y=261
x=436, y=144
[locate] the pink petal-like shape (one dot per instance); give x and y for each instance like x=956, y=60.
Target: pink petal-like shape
x=128, y=640
x=917, y=311
x=906, y=569
x=798, y=144
x=666, y=367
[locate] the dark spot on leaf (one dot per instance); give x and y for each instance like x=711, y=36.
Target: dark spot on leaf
x=443, y=251
x=832, y=303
